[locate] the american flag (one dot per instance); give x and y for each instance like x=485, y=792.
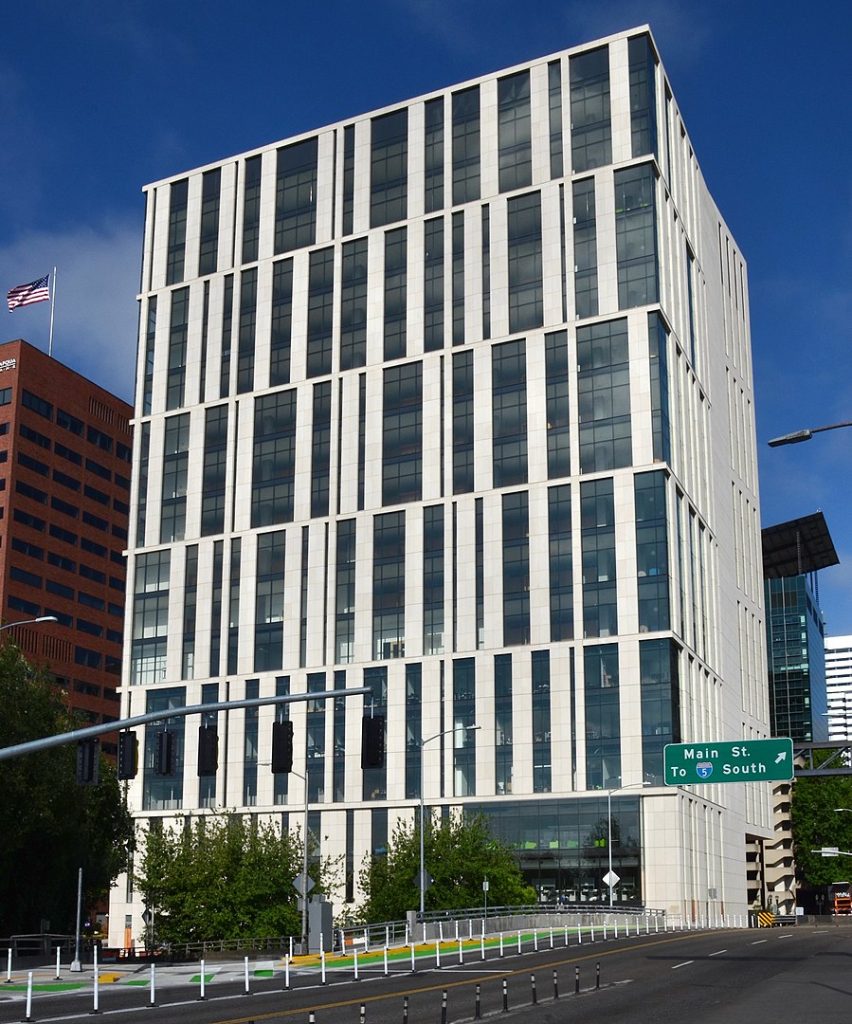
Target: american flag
x=27, y=294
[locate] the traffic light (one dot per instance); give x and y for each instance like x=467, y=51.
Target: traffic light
x=373, y=742
x=208, y=751
x=128, y=755
x=88, y=761
x=164, y=754
x=282, y=747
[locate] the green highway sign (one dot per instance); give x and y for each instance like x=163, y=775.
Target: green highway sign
x=690, y=764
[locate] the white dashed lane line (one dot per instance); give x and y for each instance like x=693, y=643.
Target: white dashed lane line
x=686, y=963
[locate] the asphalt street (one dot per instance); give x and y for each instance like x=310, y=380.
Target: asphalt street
x=700, y=977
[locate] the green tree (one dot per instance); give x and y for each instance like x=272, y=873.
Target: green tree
x=459, y=854
x=223, y=877
x=50, y=825
x=816, y=823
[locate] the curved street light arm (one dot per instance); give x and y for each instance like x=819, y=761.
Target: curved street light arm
x=806, y=434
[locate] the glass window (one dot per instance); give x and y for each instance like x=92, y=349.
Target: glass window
x=541, y=721
x=251, y=209
x=658, y=674
x=214, y=471
x=433, y=285
x=320, y=448
x=353, y=304
x=295, y=196
x=176, y=252
x=509, y=413
x=348, y=179
x=554, y=99
x=558, y=418
x=345, y=592
x=636, y=236
x=503, y=724
x=434, y=154
x=643, y=99
x=320, y=312
x=458, y=278
x=395, y=293
x=513, y=131
x=526, y=292
x=402, y=433
x=148, y=381
x=652, y=550
x=603, y=396
x=269, y=602
x=585, y=249
x=389, y=586
x=516, y=569
x=175, y=472
x=597, y=523
x=178, y=327
x=389, y=168
x=603, y=719
x=413, y=729
x=658, y=341
x=591, y=133
x=282, y=321
x=208, y=243
x=150, y=618
x=561, y=563
x=246, y=331
x=463, y=465
x=464, y=738
x=466, y=145
x=433, y=579
x=274, y=458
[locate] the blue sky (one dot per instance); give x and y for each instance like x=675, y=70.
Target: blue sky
x=98, y=99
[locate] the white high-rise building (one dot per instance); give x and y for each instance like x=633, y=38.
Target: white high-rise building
x=454, y=400
x=838, y=685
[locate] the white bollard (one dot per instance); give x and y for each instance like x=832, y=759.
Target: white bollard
x=501, y=943
x=291, y=947
x=604, y=929
x=387, y=936
x=29, y=1015
x=437, y=952
x=519, y=940
x=412, y=958
x=470, y=928
x=95, y=993
x=366, y=942
x=461, y=952
x=441, y=931
x=322, y=963
x=386, y=959
x=551, y=938
x=287, y=972
x=593, y=933
x=615, y=926
x=355, y=962
x=245, y=962
x=566, y=936
x=202, y=980
x=482, y=946
x=579, y=935
x=153, y=1001
x=535, y=939
x=57, y=963
x=405, y=943
x=457, y=928
x=9, y=966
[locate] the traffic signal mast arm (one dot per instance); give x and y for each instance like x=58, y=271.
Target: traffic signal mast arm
x=161, y=716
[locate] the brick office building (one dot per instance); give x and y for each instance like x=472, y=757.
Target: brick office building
x=65, y=446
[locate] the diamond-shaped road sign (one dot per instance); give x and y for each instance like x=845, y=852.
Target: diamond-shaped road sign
x=299, y=884
x=611, y=879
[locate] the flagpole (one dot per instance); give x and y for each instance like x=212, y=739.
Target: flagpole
x=52, y=303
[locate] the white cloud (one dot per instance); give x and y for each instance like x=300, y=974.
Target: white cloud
x=95, y=303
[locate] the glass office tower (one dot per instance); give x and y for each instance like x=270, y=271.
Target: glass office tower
x=453, y=400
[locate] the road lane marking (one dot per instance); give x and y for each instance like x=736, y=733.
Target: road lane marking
x=786, y=936
x=686, y=963
x=719, y=952
x=759, y=942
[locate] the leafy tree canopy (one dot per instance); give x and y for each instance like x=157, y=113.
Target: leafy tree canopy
x=223, y=877
x=816, y=823
x=51, y=826
x=459, y=854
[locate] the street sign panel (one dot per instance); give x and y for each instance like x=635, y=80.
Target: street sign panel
x=611, y=879
x=689, y=764
x=303, y=884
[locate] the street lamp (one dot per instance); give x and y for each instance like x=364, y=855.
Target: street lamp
x=609, y=793
x=805, y=435
x=27, y=622
x=429, y=739
x=304, y=942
